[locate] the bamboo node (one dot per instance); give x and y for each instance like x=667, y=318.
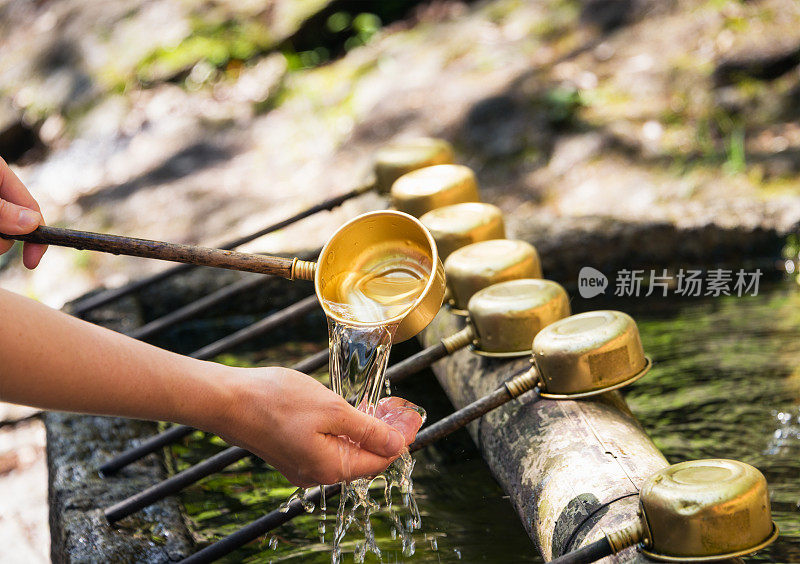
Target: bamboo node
x=522, y=383
x=303, y=269
x=459, y=340
x=626, y=537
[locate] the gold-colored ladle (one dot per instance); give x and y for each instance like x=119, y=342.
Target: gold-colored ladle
x=359, y=244
x=694, y=511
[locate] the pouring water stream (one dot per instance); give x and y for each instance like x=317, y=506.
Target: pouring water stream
x=360, y=342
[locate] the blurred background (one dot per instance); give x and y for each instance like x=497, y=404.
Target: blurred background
x=200, y=120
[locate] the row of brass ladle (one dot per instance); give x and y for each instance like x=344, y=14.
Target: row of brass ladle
x=496, y=282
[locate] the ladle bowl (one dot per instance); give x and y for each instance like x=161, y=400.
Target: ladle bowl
x=459, y=225
x=479, y=265
x=431, y=187
x=364, y=242
x=705, y=510
x=404, y=155
x=587, y=354
x=508, y=315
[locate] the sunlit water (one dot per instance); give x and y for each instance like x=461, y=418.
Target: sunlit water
x=726, y=383
x=365, y=304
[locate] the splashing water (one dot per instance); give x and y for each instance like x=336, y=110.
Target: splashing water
x=365, y=307
x=358, y=362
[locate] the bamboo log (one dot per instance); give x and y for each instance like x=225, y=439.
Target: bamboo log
x=572, y=469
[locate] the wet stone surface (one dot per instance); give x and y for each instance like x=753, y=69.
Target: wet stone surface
x=76, y=446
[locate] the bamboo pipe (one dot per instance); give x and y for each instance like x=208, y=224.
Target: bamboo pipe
x=453, y=422
x=178, y=432
x=175, y=252
x=176, y=483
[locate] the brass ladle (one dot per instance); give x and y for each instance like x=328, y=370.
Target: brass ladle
x=695, y=511
x=358, y=243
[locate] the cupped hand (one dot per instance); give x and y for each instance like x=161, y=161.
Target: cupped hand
x=19, y=214
x=310, y=434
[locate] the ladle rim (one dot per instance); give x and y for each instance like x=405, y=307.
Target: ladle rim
x=510, y=354
x=648, y=365
x=397, y=319
x=713, y=558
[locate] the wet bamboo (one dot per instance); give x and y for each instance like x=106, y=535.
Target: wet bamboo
x=174, y=484
x=572, y=469
x=92, y=302
x=502, y=395
x=178, y=432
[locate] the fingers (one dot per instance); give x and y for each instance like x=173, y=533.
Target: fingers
x=355, y=462
x=401, y=414
x=32, y=255
x=368, y=432
x=16, y=219
x=19, y=214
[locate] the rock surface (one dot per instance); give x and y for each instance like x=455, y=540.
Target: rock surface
x=564, y=110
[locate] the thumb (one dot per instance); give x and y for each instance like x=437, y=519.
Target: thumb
x=17, y=220
x=370, y=433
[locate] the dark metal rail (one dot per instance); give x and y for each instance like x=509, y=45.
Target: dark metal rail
x=176, y=483
x=175, y=434
x=197, y=307
x=205, y=303
x=103, y=298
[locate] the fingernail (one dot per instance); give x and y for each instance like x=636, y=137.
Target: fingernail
x=28, y=219
x=395, y=442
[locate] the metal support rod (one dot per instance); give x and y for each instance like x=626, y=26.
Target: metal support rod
x=205, y=303
x=440, y=429
x=151, y=444
x=180, y=431
x=294, y=311
x=415, y=363
x=589, y=553
x=103, y=298
x=197, y=307
x=176, y=483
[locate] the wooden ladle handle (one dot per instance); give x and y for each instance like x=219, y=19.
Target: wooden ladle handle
x=190, y=254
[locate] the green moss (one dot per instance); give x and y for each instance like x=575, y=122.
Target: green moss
x=217, y=44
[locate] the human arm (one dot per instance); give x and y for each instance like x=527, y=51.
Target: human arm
x=54, y=361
